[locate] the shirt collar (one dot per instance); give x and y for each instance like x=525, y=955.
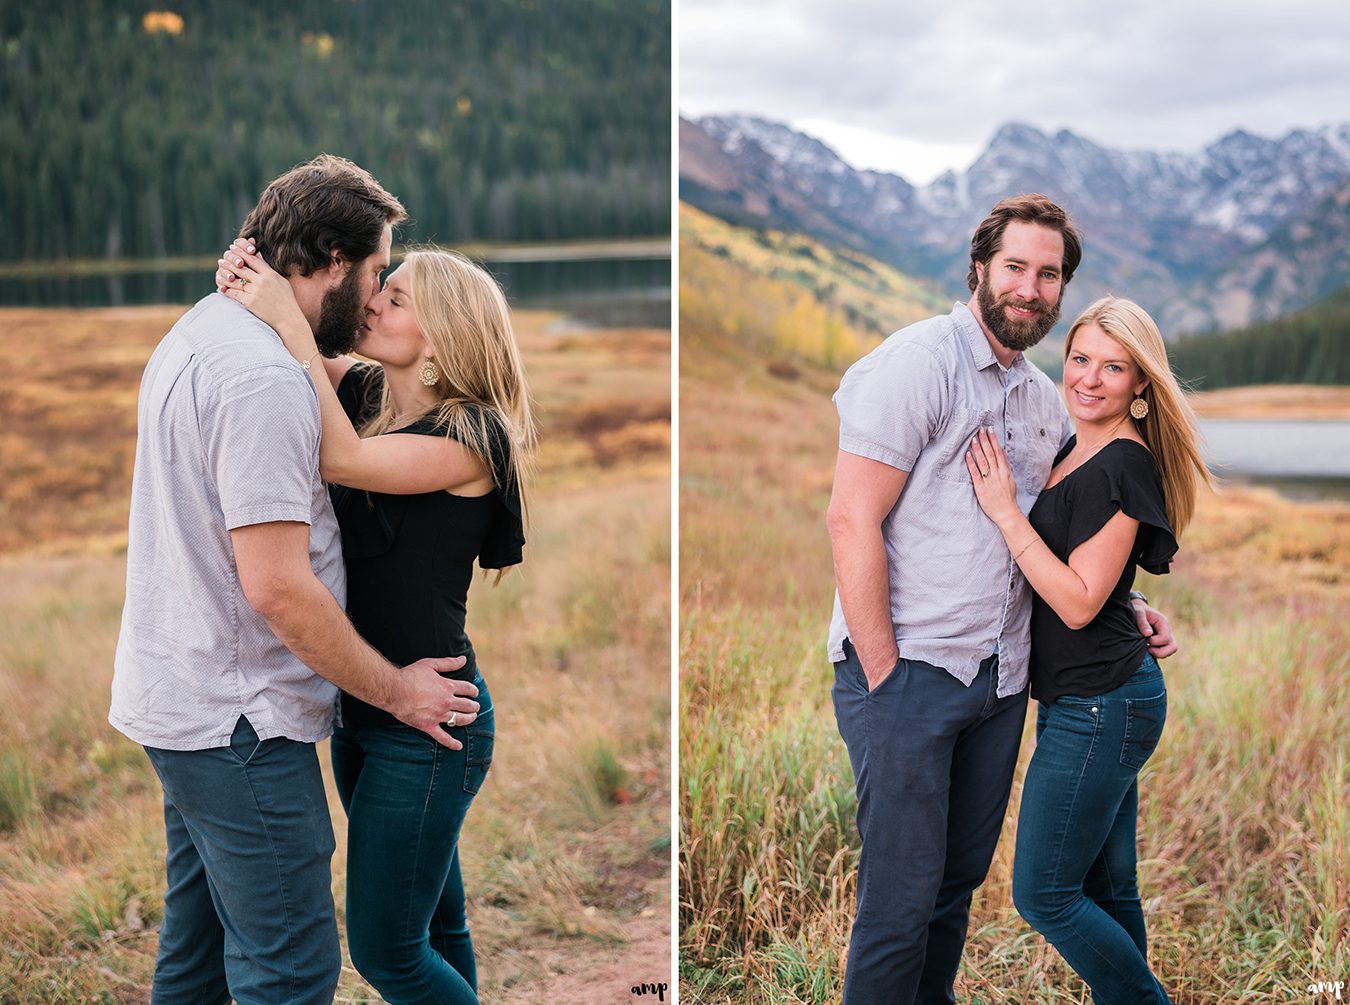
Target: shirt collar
x=980, y=349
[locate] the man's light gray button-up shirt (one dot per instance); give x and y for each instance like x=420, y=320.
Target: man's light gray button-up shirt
x=228, y=437
x=915, y=403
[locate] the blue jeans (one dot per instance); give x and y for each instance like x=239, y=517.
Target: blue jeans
x=406, y=797
x=249, y=907
x=1074, y=877
x=933, y=761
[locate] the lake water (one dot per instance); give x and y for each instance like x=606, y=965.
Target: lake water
x=610, y=291
x=1299, y=459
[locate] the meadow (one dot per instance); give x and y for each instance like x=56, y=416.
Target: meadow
x=1245, y=808
x=566, y=852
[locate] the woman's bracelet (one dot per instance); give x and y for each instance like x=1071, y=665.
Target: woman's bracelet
x=1024, y=548
x=306, y=362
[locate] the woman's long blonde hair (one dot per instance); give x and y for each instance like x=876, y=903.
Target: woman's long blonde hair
x=463, y=315
x=1169, y=429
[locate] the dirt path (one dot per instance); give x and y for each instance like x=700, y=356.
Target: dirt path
x=569, y=972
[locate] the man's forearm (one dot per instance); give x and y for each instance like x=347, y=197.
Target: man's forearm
x=864, y=492
x=862, y=575
x=309, y=622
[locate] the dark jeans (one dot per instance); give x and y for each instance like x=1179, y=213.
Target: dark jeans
x=933, y=761
x=406, y=797
x=249, y=907
x=1074, y=875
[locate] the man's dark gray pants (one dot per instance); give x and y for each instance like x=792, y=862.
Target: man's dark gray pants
x=249, y=910
x=933, y=761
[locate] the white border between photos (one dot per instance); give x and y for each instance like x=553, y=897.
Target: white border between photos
x=674, y=503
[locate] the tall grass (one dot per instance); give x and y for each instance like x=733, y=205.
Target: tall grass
x=1245, y=808
x=574, y=648
x=18, y=791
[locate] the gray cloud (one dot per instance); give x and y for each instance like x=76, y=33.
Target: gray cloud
x=1153, y=74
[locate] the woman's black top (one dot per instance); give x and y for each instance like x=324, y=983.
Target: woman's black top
x=410, y=557
x=1103, y=654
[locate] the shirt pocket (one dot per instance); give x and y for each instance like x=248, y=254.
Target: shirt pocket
x=955, y=440
x=1035, y=455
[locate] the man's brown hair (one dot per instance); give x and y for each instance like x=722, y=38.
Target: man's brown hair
x=318, y=207
x=1031, y=208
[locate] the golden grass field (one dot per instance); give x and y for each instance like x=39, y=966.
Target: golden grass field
x=1245, y=808
x=566, y=852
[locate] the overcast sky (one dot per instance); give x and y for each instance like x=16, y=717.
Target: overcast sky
x=917, y=88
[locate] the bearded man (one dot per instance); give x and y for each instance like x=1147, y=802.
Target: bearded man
x=930, y=637
x=234, y=640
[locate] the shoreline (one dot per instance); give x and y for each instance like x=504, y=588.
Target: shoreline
x=581, y=249
x=1274, y=401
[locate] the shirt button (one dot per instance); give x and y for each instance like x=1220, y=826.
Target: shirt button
x=1042, y=432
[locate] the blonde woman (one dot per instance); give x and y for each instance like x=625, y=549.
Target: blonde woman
x=1120, y=493
x=425, y=449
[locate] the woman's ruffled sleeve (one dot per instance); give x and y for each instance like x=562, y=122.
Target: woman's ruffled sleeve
x=1123, y=477
x=505, y=542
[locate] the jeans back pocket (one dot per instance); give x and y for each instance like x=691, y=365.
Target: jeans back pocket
x=478, y=742
x=1144, y=718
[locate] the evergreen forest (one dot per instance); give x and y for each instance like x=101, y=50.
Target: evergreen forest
x=134, y=132
x=1305, y=347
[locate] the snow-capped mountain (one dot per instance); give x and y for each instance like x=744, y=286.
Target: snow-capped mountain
x=1178, y=232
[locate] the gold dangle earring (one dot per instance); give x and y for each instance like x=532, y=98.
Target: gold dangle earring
x=429, y=373
x=1139, y=408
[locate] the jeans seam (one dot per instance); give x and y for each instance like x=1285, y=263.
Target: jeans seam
x=1110, y=885
x=418, y=846
x=281, y=886
x=859, y=921
x=207, y=981
x=1078, y=788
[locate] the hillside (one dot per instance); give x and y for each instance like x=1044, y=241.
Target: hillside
x=790, y=295
x=1303, y=259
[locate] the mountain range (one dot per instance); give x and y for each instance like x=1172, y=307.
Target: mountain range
x=1248, y=228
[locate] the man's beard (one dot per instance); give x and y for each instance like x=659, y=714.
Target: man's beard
x=341, y=314
x=1018, y=334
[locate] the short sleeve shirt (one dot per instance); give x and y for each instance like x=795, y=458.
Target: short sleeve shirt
x=915, y=403
x=228, y=436
x=1100, y=656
